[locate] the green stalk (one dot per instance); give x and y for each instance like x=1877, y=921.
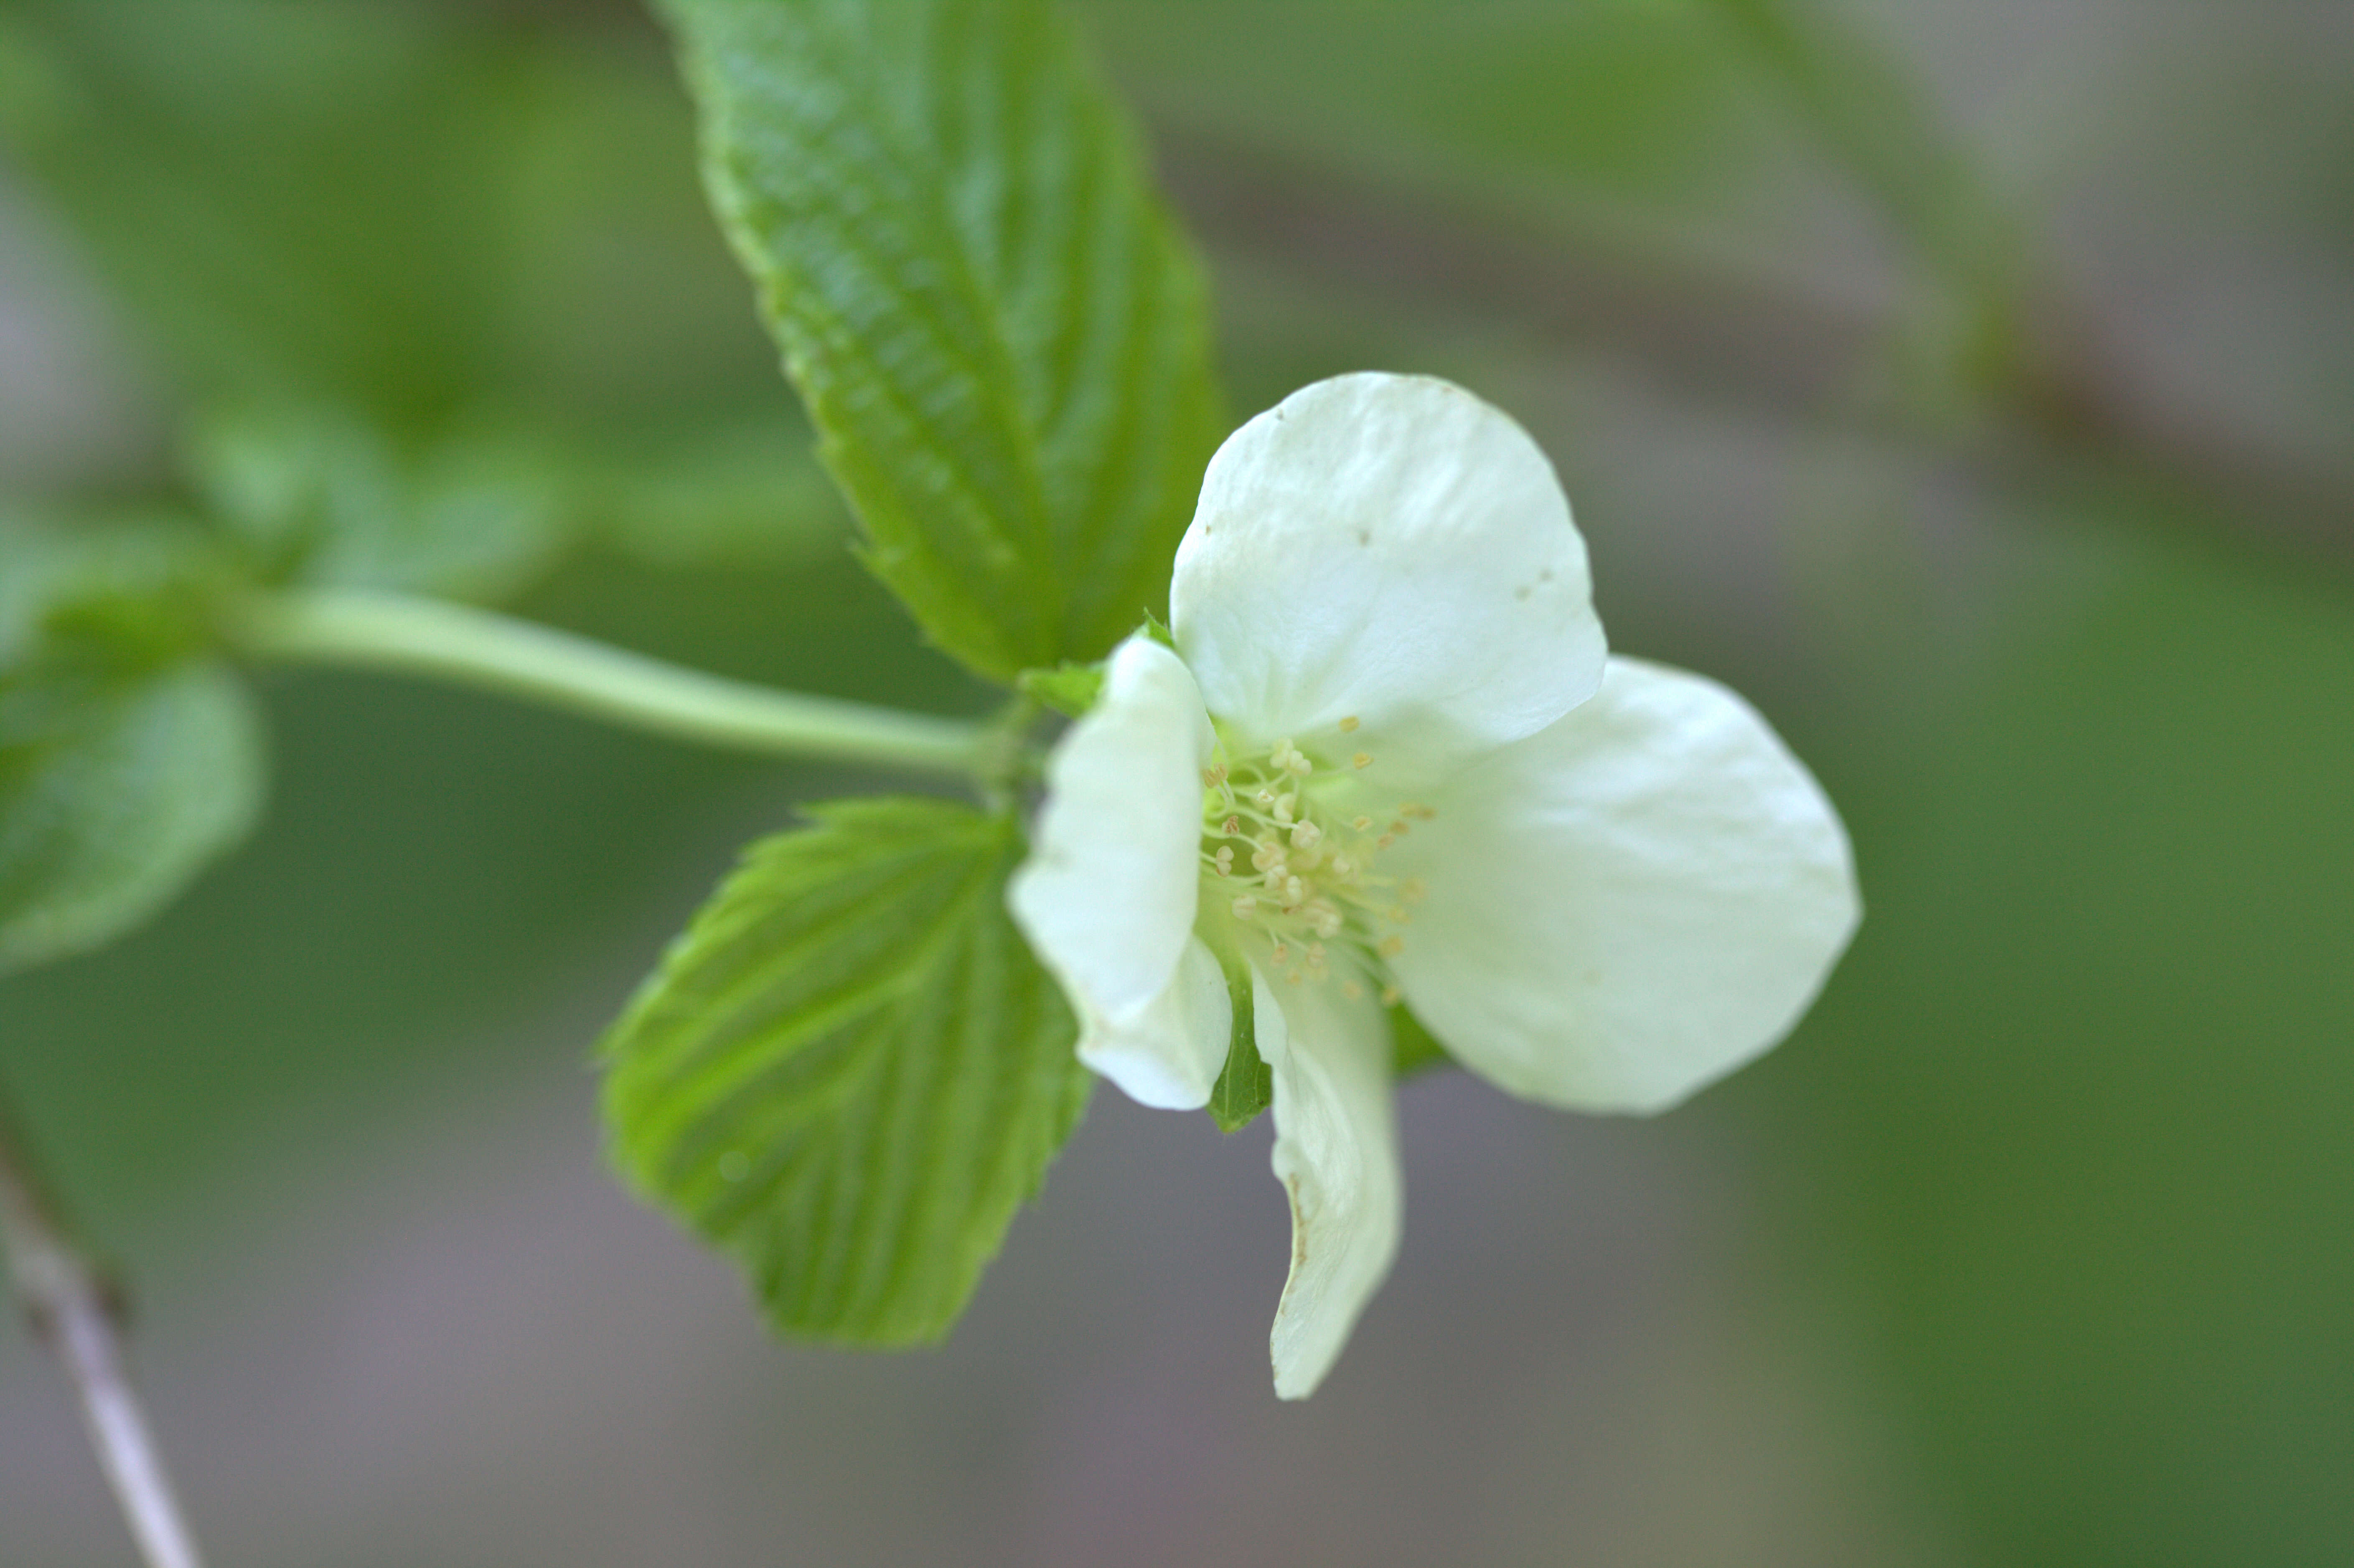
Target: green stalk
x=400, y=634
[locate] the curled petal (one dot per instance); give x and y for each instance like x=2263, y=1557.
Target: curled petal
x=1108, y=896
x=1629, y=904
x=1387, y=548
x=1336, y=1155
x=1168, y=1054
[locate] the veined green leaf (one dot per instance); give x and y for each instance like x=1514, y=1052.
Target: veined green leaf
x=849, y=1072
x=1001, y=336
x=114, y=792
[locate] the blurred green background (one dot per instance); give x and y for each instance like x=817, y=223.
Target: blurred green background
x=1972, y=386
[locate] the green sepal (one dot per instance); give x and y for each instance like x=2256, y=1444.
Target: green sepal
x=1246, y=1085
x=1413, y=1048
x=1068, y=689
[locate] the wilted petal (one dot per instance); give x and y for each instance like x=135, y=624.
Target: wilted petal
x=1629, y=904
x=1388, y=548
x=1108, y=895
x=1336, y=1155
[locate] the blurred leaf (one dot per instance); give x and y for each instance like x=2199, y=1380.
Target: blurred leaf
x=999, y=335
x=849, y=1072
x=2074, y=1112
x=132, y=591
x=747, y=493
x=405, y=209
x=113, y=794
x=331, y=499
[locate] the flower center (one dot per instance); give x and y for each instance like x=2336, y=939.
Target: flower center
x=1290, y=850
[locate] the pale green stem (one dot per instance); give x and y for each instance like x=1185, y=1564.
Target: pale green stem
x=406, y=635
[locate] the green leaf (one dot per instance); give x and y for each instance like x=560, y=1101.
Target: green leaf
x=1001, y=336
x=114, y=793
x=849, y=1072
x=330, y=498
x=129, y=593
x=1246, y=1085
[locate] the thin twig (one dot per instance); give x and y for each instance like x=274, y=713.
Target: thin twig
x=73, y=1312
x=1756, y=342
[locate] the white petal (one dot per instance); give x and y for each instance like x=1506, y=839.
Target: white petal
x=1336, y=1155
x=1629, y=904
x=1388, y=548
x=1169, y=1054
x=1108, y=893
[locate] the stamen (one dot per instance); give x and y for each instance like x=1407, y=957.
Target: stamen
x=1245, y=907
x=1225, y=861
x=1306, y=835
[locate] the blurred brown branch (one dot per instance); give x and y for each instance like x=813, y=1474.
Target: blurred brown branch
x=73, y=1312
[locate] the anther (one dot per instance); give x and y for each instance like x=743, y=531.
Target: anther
x=1225, y=860
x=1353, y=990
x=1390, y=997
x=1306, y=835
x=1413, y=890
x=1245, y=907
x=1231, y=827
x=1361, y=823
x=1282, y=953
x=1399, y=828
x=1295, y=977
x=1392, y=946
x=1362, y=760
x=1294, y=890
x=1348, y=725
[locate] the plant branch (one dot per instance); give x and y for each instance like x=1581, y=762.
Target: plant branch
x=2069, y=398
x=405, y=635
x=72, y=1311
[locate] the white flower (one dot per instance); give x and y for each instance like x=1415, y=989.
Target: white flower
x=1391, y=759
